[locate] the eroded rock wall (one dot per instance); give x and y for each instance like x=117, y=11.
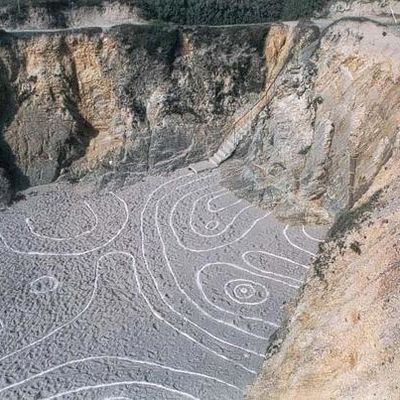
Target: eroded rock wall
x=342, y=340
x=149, y=97
x=331, y=125
x=328, y=148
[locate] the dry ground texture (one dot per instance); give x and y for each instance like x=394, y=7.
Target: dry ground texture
x=167, y=289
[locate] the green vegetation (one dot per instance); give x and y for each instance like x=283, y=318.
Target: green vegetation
x=228, y=12
x=196, y=12
x=295, y=9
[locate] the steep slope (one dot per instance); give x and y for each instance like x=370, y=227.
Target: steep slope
x=146, y=97
x=342, y=341
x=328, y=149
x=331, y=126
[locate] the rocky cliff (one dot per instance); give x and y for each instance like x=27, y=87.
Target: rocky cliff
x=331, y=125
x=327, y=148
x=146, y=97
x=342, y=339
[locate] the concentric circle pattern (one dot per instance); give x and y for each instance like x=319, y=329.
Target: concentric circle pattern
x=169, y=289
x=246, y=292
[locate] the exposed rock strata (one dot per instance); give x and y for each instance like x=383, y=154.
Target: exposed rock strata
x=342, y=341
x=331, y=126
x=145, y=96
x=336, y=150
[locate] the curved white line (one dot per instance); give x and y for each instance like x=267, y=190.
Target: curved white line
x=311, y=237
x=200, y=287
x=295, y=245
x=231, y=325
x=256, y=303
x=212, y=225
x=154, y=312
x=85, y=233
x=118, y=398
x=38, y=253
x=118, y=358
x=162, y=297
x=270, y=272
x=213, y=235
x=71, y=321
x=104, y=385
x=181, y=244
x=217, y=210
x=51, y=278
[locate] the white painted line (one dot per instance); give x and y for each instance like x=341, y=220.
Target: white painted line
x=88, y=232
x=311, y=237
x=118, y=358
x=295, y=245
x=44, y=253
x=162, y=297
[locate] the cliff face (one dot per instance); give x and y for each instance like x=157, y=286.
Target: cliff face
x=331, y=125
x=143, y=96
x=342, y=340
x=329, y=142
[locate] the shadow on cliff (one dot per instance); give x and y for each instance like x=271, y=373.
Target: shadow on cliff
x=78, y=143
x=8, y=109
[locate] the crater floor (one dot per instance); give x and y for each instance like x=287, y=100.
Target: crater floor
x=166, y=289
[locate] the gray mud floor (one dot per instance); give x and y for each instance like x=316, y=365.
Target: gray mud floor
x=166, y=289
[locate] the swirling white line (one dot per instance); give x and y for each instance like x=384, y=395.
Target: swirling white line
x=299, y=281
x=119, y=358
x=294, y=244
x=163, y=298
x=181, y=244
x=194, y=229
x=51, y=279
x=309, y=236
x=85, y=233
x=155, y=313
x=231, y=325
x=250, y=284
x=39, y=253
x=127, y=383
x=71, y=321
x=199, y=285
x=95, y=285
x=225, y=193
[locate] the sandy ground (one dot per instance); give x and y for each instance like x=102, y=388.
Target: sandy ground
x=166, y=289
